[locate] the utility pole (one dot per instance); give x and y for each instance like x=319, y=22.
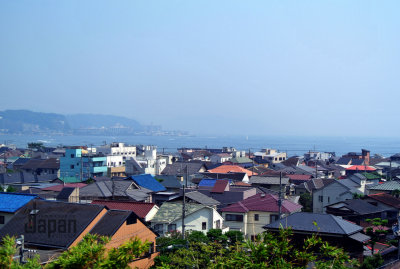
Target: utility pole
x=280, y=196
x=21, y=241
x=184, y=205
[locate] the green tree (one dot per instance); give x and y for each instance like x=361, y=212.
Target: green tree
x=216, y=235
x=234, y=237
x=306, y=201
x=372, y=262
x=35, y=145
x=376, y=231
x=89, y=253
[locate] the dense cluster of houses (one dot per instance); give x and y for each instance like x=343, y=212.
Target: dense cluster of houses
x=54, y=196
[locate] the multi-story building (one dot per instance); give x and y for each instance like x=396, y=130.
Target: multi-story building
x=118, y=149
x=81, y=164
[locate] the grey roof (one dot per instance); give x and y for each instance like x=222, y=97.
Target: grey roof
x=169, y=181
x=359, y=206
x=179, y=168
x=111, y=221
x=65, y=193
x=120, y=188
x=268, y=180
x=171, y=211
x=202, y=198
x=387, y=186
x=233, y=176
x=357, y=162
x=360, y=237
x=313, y=222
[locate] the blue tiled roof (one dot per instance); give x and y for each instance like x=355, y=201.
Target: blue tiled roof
x=209, y=182
x=149, y=182
x=11, y=202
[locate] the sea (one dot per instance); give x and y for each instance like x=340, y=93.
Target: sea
x=293, y=145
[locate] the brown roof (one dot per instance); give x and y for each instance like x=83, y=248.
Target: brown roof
x=139, y=208
x=386, y=199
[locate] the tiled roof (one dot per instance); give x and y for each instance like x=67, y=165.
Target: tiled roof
x=360, y=168
x=51, y=163
x=234, y=176
x=111, y=222
x=240, y=183
x=220, y=186
x=139, y=208
x=65, y=193
x=61, y=186
x=299, y=177
x=359, y=206
x=179, y=168
x=386, y=199
x=268, y=180
x=241, y=160
x=315, y=223
x=231, y=168
x=262, y=202
x=387, y=186
x=149, y=182
x=202, y=198
x=11, y=202
x=170, y=211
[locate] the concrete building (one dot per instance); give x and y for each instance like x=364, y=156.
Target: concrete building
x=80, y=164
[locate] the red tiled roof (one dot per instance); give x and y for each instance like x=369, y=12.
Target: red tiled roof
x=386, y=199
x=139, y=208
x=61, y=186
x=360, y=168
x=231, y=168
x=299, y=177
x=262, y=202
x=220, y=186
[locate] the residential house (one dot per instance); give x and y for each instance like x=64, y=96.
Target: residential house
x=338, y=232
x=330, y=192
x=10, y=203
x=358, y=210
x=198, y=217
x=220, y=157
x=223, y=169
x=68, y=223
x=183, y=168
x=298, y=179
x=273, y=183
x=232, y=176
x=145, y=211
x=147, y=181
x=116, y=190
x=251, y=214
x=386, y=187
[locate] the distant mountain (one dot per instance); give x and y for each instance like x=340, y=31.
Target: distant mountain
x=25, y=121
x=78, y=121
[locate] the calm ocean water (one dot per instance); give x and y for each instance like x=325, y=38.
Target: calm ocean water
x=293, y=145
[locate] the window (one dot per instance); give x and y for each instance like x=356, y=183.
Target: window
x=72, y=166
x=273, y=218
x=234, y=217
x=72, y=155
x=256, y=217
x=204, y=225
x=171, y=227
x=320, y=198
x=2, y=220
x=329, y=199
x=218, y=224
x=159, y=228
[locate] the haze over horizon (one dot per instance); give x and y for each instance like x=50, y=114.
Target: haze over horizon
x=226, y=67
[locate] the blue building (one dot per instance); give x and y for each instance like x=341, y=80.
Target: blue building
x=78, y=163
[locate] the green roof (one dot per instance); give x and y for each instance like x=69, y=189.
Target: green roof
x=373, y=175
x=170, y=212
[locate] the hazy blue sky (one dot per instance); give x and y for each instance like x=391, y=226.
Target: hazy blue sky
x=228, y=67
